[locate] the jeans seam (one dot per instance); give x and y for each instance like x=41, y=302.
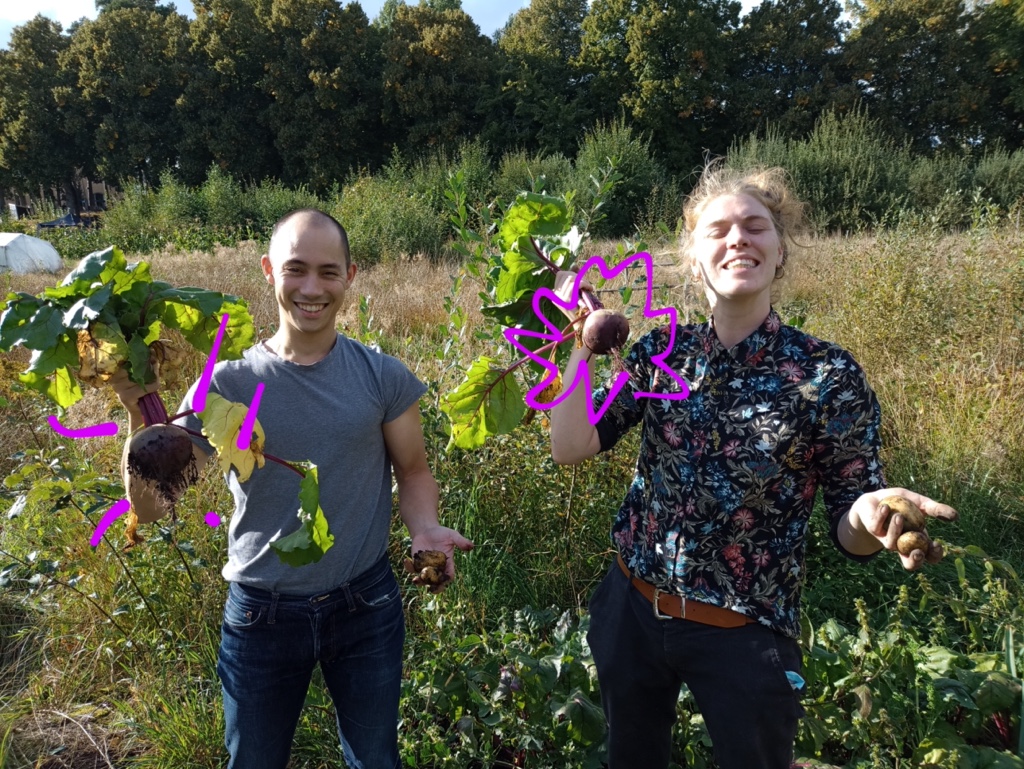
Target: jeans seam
x=272, y=611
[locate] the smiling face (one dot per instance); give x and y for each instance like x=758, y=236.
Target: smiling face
x=735, y=250
x=307, y=264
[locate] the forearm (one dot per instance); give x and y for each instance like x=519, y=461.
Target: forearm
x=573, y=437
x=418, y=500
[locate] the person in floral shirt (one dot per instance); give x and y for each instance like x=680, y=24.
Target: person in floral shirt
x=711, y=535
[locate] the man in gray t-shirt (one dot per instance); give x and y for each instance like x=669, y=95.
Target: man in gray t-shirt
x=353, y=412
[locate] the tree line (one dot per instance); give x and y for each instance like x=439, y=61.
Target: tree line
x=309, y=92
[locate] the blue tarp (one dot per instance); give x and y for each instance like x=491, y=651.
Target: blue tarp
x=68, y=220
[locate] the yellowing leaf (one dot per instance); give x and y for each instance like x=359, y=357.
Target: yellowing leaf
x=222, y=422
x=101, y=351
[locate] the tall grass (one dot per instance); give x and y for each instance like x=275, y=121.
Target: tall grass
x=936, y=320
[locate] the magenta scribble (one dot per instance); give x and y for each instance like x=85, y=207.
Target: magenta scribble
x=120, y=508
x=93, y=431
x=212, y=519
x=199, y=399
x=245, y=432
x=582, y=372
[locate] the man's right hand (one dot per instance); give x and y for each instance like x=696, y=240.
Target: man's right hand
x=129, y=393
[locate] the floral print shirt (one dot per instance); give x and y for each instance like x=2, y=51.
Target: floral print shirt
x=726, y=479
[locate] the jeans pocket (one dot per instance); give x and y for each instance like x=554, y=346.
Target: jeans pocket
x=242, y=611
x=381, y=593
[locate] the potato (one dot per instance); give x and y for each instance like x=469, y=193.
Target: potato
x=428, y=567
x=913, y=518
x=913, y=540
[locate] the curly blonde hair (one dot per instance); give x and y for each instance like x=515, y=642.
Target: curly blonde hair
x=768, y=186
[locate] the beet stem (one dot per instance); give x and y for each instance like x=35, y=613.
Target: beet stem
x=153, y=410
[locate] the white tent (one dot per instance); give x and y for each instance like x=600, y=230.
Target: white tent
x=24, y=253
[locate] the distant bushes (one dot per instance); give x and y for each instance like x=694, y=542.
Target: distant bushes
x=854, y=177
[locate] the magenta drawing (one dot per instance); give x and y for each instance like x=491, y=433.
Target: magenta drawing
x=554, y=334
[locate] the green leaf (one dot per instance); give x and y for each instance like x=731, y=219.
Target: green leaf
x=62, y=388
x=200, y=329
x=41, y=331
x=19, y=310
x=533, y=214
x=518, y=275
x=87, y=309
x=586, y=722
x=487, y=402
x=313, y=538
x=80, y=281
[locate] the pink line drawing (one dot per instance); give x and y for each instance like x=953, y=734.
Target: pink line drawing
x=245, y=431
x=120, y=508
x=583, y=372
x=93, y=431
x=199, y=401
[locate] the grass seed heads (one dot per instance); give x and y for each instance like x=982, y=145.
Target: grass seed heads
x=605, y=331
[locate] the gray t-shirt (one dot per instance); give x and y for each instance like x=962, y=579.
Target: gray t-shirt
x=330, y=413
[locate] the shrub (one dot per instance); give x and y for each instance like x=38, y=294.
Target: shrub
x=518, y=171
x=386, y=220
x=633, y=160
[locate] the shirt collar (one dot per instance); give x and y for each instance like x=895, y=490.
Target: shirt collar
x=747, y=351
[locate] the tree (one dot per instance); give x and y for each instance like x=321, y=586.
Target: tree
x=1000, y=27
x=787, y=69
x=224, y=109
x=436, y=67
x=663, y=64
x=128, y=79
x=324, y=82
x=38, y=146
x=920, y=73
x=539, y=101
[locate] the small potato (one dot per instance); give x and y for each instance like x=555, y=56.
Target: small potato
x=910, y=541
x=429, y=567
x=913, y=517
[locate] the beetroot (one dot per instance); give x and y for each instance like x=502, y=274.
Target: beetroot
x=161, y=455
x=605, y=331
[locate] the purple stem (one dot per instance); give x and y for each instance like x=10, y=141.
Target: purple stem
x=285, y=463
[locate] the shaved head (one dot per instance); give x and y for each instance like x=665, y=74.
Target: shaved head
x=310, y=217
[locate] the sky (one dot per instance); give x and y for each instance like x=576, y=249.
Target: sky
x=489, y=15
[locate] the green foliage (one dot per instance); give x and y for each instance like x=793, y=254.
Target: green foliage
x=387, y=221
x=849, y=172
x=524, y=695
x=520, y=171
x=618, y=144
x=115, y=311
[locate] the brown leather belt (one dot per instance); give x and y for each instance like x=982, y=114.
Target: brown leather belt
x=671, y=606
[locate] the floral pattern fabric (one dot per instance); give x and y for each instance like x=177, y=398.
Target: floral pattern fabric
x=726, y=479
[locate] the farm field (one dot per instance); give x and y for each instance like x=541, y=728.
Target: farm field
x=107, y=655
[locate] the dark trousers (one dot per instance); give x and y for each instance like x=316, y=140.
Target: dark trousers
x=736, y=675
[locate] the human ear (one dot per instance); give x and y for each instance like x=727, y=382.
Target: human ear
x=268, y=268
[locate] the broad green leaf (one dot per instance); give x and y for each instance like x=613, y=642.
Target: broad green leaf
x=487, y=402
x=80, y=281
x=62, y=388
x=222, y=422
x=41, y=331
x=18, y=311
x=200, y=330
x=519, y=274
x=533, y=214
x=87, y=309
x=139, y=369
x=62, y=354
x=313, y=538
x=585, y=720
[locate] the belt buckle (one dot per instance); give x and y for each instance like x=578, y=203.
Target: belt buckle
x=658, y=614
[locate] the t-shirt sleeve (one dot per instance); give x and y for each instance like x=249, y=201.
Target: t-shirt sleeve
x=192, y=421
x=849, y=442
x=400, y=387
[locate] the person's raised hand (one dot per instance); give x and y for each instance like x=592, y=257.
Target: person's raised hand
x=887, y=526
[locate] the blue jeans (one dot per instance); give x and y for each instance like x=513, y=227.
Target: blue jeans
x=737, y=677
x=269, y=646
